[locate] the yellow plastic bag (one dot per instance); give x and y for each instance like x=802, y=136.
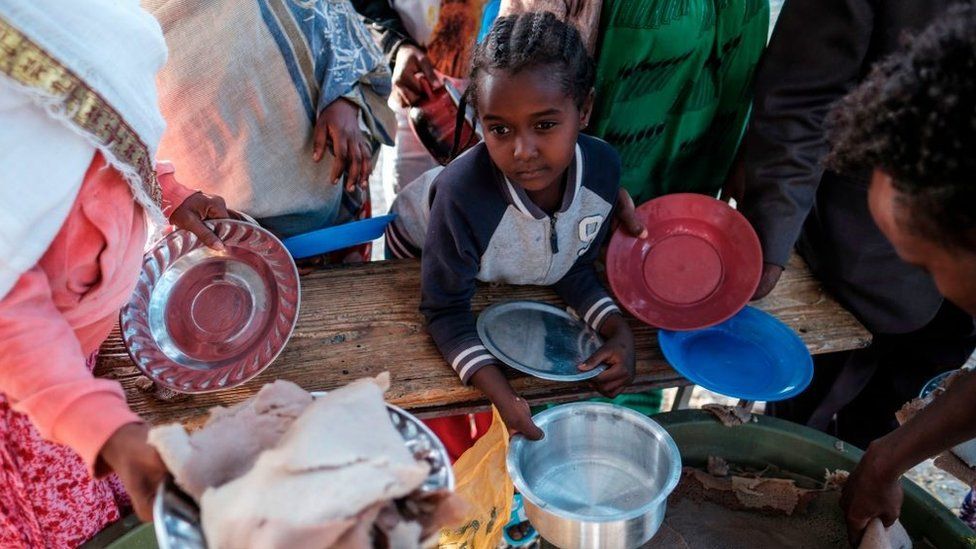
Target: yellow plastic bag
x=482, y=480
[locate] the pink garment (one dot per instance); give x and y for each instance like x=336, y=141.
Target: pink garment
x=57, y=314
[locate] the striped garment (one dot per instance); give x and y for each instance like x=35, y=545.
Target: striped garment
x=241, y=116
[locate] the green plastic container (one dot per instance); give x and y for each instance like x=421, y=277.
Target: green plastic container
x=806, y=452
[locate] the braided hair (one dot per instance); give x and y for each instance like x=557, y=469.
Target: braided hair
x=915, y=118
x=530, y=40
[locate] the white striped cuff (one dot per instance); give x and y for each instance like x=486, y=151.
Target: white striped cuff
x=396, y=246
x=469, y=360
x=599, y=311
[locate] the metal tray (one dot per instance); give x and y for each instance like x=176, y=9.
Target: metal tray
x=176, y=517
x=201, y=320
x=539, y=339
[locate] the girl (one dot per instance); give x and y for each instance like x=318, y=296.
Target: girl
x=529, y=205
x=77, y=181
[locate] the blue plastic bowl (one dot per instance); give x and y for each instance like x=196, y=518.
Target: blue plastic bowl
x=751, y=356
x=337, y=237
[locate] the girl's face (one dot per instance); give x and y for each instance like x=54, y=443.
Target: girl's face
x=953, y=270
x=530, y=125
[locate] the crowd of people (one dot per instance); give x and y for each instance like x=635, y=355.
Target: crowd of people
x=847, y=137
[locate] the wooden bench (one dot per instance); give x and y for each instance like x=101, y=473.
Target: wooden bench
x=361, y=320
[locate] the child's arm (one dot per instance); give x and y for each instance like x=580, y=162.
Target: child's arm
x=581, y=289
x=449, y=266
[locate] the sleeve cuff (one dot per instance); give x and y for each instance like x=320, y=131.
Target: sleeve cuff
x=174, y=193
x=468, y=358
x=599, y=311
x=88, y=422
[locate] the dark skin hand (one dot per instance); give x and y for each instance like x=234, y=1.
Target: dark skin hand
x=411, y=61
x=514, y=409
x=770, y=276
x=874, y=489
x=337, y=129
x=617, y=353
x=137, y=464
x=191, y=214
x=625, y=216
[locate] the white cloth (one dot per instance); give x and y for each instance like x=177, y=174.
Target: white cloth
x=419, y=17
x=115, y=48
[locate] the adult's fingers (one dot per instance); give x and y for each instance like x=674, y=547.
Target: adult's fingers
x=770, y=277
x=428, y=69
x=354, y=163
x=627, y=215
x=320, y=140
x=408, y=97
x=339, y=161
x=367, y=168
x=216, y=208
x=196, y=226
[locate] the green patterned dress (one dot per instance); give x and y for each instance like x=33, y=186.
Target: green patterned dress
x=674, y=86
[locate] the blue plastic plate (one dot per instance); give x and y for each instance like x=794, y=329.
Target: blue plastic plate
x=751, y=356
x=338, y=237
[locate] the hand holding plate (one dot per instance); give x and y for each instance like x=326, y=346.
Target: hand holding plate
x=191, y=214
x=617, y=354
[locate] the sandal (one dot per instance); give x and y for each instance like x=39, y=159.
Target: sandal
x=518, y=532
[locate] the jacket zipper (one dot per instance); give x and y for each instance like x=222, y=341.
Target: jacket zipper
x=553, y=237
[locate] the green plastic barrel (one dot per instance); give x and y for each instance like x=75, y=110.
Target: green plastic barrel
x=806, y=452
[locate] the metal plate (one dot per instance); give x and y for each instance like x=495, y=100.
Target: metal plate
x=201, y=320
x=176, y=516
x=539, y=339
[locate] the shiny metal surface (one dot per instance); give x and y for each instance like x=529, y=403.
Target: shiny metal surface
x=599, y=479
x=201, y=320
x=176, y=516
x=539, y=339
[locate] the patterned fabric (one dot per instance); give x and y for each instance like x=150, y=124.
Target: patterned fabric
x=326, y=48
x=47, y=497
x=673, y=89
x=255, y=102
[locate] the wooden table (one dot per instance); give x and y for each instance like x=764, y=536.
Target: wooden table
x=361, y=320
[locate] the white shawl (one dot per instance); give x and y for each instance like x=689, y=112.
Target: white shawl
x=74, y=78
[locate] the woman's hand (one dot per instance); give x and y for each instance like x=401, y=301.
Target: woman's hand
x=870, y=492
x=137, y=464
x=191, y=214
x=338, y=129
x=411, y=60
x=514, y=409
x=617, y=353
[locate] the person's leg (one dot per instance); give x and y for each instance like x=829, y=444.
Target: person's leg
x=800, y=408
x=905, y=363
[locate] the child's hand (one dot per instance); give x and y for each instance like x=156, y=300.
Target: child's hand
x=197, y=207
x=617, y=353
x=138, y=465
x=338, y=129
x=514, y=409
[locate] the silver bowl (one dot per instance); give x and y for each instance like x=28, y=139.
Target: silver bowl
x=599, y=479
x=176, y=516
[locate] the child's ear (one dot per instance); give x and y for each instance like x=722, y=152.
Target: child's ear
x=587, y=109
